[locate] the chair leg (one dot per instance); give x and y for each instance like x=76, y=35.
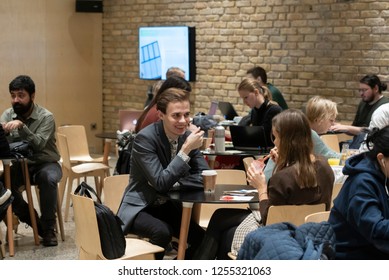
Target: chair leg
x=31, y=204
x=2, y=247
x=68, y=192
x=62, y=186
x=60, y=220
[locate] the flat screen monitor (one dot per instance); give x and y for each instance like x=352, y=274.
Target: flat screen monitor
x=162, y=47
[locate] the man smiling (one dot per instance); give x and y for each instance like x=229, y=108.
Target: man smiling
x=165, y=157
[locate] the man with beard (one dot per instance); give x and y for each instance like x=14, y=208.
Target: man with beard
x=29, y=121
x=370, y=90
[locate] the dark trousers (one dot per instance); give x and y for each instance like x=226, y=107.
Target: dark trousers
x=220, y=233
x=46, y=176
x=160, y=223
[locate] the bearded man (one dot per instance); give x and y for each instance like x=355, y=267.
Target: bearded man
x=28, y=121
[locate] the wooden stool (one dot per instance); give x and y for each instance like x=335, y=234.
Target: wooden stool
x=9, y=219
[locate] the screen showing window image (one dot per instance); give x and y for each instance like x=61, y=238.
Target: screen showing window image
x=161, y=48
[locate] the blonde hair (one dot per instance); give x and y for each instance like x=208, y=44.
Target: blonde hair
x=251, y=84
x=319, y=108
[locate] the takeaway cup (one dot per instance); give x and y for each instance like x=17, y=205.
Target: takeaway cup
x=209, y=180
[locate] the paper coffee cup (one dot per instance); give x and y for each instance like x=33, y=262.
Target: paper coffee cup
x=209, y=180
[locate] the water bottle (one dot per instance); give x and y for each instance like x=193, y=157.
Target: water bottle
x=219, y=139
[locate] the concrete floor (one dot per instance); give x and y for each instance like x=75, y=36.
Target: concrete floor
x=25, y=249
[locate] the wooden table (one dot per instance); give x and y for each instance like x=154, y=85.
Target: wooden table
x=189, y=197
x=108, y=137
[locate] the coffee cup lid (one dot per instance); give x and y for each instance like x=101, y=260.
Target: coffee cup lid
x=209, y=172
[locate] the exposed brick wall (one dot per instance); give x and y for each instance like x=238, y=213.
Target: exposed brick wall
x=315, y=47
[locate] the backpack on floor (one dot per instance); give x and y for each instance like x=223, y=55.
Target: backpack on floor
x=113, y=242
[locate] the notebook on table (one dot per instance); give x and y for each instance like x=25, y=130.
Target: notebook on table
x=248, y=138
x=227, y=110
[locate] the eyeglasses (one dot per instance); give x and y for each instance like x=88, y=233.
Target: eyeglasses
x=362, y=90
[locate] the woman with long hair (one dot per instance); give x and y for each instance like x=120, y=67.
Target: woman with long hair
x=300, y=177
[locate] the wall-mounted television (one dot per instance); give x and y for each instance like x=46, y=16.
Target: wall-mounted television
x=162, y=47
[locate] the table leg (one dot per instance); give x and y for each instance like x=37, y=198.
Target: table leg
x=7, y=181
x=185, y=221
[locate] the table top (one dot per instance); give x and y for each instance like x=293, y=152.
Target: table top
x=228, y=152
x=199, y=196
x=107, y=135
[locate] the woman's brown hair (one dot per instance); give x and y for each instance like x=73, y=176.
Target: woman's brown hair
x=295, y=146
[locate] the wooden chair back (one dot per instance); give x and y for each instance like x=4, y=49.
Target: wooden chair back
x=331, y=141
x=231, y=177
x=317, y=217
x=294, y=214
x=114, y=187
x=88, y=237
x=335, y=191
x=247, y=162
x=63, y=147
x=77, y=143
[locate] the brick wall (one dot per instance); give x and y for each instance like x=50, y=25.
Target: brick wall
x=308, y=47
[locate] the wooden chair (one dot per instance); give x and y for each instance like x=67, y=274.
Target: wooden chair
x=317, y=217
x=294, y=214
x=114, y=187
x=335, y=192
x=88, y=238
x=331, y=141
x=203, y=212
x=78, y=144
x=71, y=172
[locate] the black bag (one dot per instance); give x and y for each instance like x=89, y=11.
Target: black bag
x=14, y=150
x=112, y=240
x=125, y=142
x=205, y=122
x=22, y=148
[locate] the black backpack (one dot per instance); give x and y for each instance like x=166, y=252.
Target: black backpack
x=113, y=242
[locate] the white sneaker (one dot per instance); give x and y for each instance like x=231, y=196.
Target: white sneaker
x=4, y=195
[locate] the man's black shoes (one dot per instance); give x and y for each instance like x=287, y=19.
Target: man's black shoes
x=49, y=238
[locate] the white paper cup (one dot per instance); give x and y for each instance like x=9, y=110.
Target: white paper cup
x=209, y=180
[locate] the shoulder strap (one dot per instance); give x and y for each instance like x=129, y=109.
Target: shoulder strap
x=84, y=189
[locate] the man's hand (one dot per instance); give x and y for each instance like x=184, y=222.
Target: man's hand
x=12, y=125
x=194, y=141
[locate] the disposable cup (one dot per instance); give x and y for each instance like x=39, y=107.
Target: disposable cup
x=209, y=180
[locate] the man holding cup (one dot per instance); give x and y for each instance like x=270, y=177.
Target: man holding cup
x=165, y=157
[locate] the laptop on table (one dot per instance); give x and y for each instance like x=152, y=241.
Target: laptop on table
x=249, y=138
x=128, y=119
x=227, y=110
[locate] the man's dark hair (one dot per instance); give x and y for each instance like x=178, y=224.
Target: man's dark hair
x=372, y=80
x=22, y=82
x=258, y=72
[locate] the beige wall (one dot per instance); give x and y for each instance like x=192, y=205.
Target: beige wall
x=62, y=52
x=308, y=47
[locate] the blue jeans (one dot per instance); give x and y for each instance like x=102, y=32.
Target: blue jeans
x=46, y=176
